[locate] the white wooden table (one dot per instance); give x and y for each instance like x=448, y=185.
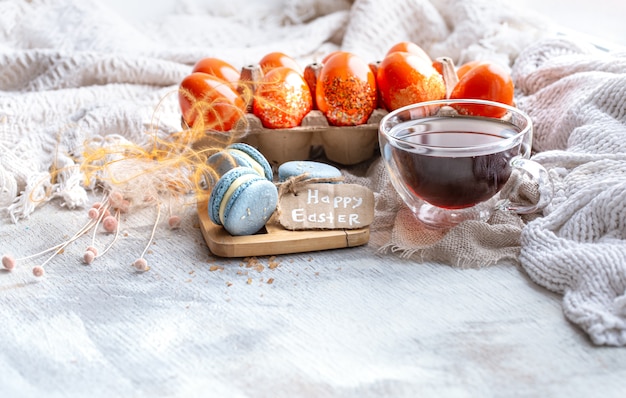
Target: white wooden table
x=347, y=322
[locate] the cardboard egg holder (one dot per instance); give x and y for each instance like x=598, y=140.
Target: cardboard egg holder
x=345, y=145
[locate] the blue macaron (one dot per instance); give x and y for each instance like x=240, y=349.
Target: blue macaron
x=242, y=201
x=240, y=154
x=313, y=169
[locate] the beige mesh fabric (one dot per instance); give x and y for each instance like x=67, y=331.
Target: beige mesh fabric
x=472, y=244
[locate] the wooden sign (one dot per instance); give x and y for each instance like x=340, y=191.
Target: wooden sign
x=313, y=206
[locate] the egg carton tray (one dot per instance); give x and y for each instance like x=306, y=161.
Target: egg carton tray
x=345, y=145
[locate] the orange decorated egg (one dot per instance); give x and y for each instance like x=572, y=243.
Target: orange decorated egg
x=277, y=59
x=408, y=47
x=209, y=103
x=282, y=99
x=346, y=90
x=332, y=54
x=405, y=78
x=487, y=81
x=218, y=68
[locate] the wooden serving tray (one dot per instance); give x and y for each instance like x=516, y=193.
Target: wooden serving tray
x=275, y=239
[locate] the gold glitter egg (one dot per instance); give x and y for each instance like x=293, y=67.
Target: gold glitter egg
x=282, y=99
x=405, y=78
x=346, y=90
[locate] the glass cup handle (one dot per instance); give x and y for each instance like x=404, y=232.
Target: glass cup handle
x=538, y=175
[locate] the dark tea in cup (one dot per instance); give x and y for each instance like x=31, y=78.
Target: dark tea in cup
x=448, y=166
x=454, y=179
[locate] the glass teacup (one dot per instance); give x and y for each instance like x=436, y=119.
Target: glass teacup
x=448, y=161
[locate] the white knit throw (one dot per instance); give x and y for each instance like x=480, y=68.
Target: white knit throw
x=576, y=96
x=72, y=70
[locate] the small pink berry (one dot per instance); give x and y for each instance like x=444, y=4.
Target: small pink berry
x=38, y=271
x=141, y=264
x=88, y=257
x=109, y=223
x=93, y=213
x=96, y=205
x=92, y=249
x=8, y=262
x=115, y=198
x=124, y=206
x=174, y=222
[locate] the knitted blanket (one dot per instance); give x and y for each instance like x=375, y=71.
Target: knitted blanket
x=576, y=97
x=73, y=70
